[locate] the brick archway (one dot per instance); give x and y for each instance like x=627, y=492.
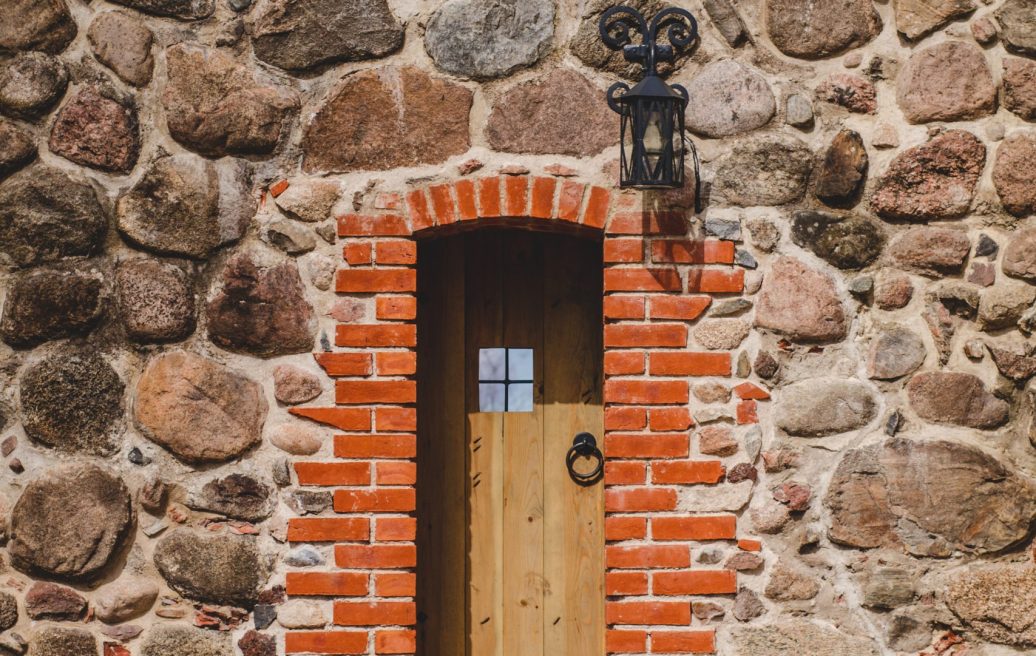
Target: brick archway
x=658, y=279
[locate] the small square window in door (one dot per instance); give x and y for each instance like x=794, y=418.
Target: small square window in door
x=505, y=380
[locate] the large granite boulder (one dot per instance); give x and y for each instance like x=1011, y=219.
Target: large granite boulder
x=217, y=568
x=50, y=304
x=31, y=83
x=155, y=299
x=949, y=81
x=45, y=25
x=812, y=30
x=996, y=602
x=98, y=131
x=765, y=170
x=952, y=397
x=825, y=406
x=801, y=304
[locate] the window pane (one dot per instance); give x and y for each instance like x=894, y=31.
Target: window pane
x=519, y=364
x=491, y=397
x=519, y=397
x=491, y=364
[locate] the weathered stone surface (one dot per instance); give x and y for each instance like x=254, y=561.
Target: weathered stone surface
x=125, y=599
x=30, y=84
x=723, y=334
x=855, y=93
x=728, y=98
x=482, y=40
x=1013, y=359
x=46, y=215
x=50, y=304
x=122, y=42
x=1016, y=18
x=931, y=251
x=825, y=406
x=887, y=588
x=846, y=241
x=588, y=46
x=45, y=25
x=724, y=17
x=843, y=170
x=261, y=309
x=296, y=439
x=765, y=170
x=300, y=614
x=197, y=408
x=800, y=303
x=8, y=611
x=1019, y=259
x=53, y=640
x=795, y=637
x=155, y=299
x=950, y=81
x=894, y=292
x=1003, y=305
x=811, y=30
x=293, y=385
x=788, y=583
x=182, y=9
x=1020, y=87
x=50, y=601
x=996, y=602
x=16, y=148
x=300, y=35
x=955, y=398
x=181, y=640
x=290, y=237
x=528, y=119
x=930, y=497
x=1014, y=174
x=217, y=568
x=799, y=111
x=217, y=107
x=70, y=521
x=72, y=401
x=96, y=131
x=254, y=643
x=918, y=18
x=423, y=120
x=309, y=199
x=933, y=181
x=894, y=353
x=185, y=205
x=237, y=496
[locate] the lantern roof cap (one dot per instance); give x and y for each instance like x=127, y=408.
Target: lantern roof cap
x=653, y=86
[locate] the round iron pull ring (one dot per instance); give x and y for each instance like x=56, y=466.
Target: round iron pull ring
x=585, y=446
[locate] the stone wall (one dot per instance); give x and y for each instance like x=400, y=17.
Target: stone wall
x=847, y=323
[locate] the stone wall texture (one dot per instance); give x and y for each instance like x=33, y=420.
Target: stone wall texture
x=821, y=434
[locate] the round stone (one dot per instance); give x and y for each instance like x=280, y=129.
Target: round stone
x=70, y=522
x=292, y=385
x=825, y=406
x=1020, y=87
x=800, y=303
x=96, y=131
x=894, y=353
x=1014, y=173
x=996, y=602
x=30, y=84
x=123, y=43
x=296, y=440
x=930, y=251
x=591, y=50
x=16, y=148
x=485, y=39
x=812, y=30
x=1019, y=259
x=155, y=299
x=45, y=25
x=8, y=611
x=72, y=401
x=48, y=304
x=1016, y=18
x=217, y=568
x=949, y=81
x=951, y=397
x=728, y=98
x=127, y=598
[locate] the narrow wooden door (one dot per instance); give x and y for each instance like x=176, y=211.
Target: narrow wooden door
x=510, y=548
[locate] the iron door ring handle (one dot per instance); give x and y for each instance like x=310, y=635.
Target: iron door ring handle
x=585, y=446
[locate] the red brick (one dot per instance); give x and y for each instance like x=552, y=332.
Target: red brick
x=395, y=251
x=344, y=364
x=442, y=204
x=395, y=529
x=326, y=584
x=747, y=412
x=375, y=613
x=395, y=420
x=673, y=335
x=358, y=253
x=395, y=473
x=395, y=584
x=328, y=529
x=683, y=642
x=326, y=642
x=646, y=392
x=687, y=472
x=378, y=556
x=640, y=499
x=489, y=197
x=597, y=205
x=625, y=473
x=516, y=195
x=388, y=201
x=278, y=188
x=693, y=252
x=716, y=281
x=648, y=556
x=706, y=527
x=684, y=308
x=623, y=251
x=467, y=204
x=623, y=307
x=640, y=280
x=365, y=225
x=750, y=545
x=625, y=418
x=690, y=364
x=420, y=214
x=623, y=642
x=747, y=390
x=626, y=584
x=670, y=419
x=356, y=392
x=648, y=613
x=543, y=198
x=376, y=280
x=647, y=445
x=333, y=473
x=396, y=308
x=385, y=500
x=618, y=363
x=570, y=200
x=617, y=529
x=376, y=446
x=695, y=582
x=396, y=363
x=395, y=642
x=651, y=222
x=349, y=419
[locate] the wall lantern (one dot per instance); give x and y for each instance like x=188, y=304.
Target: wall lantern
x=652, y=123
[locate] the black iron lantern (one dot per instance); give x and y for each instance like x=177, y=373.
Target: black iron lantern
x=652, y=112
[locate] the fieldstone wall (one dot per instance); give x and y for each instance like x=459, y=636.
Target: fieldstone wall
x=180, y=180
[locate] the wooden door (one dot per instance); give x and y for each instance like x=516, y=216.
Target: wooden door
x=510, y=549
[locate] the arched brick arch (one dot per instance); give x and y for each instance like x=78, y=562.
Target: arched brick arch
x=658, y=280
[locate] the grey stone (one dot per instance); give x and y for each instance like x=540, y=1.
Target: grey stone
x=794, y=637
x=799, y=111
x=304, y=556
x=987, y=246
x=51, y=640
x=861, y=286
x=747, y=605
x=812, y=30
x=949, y=81
x=1016, y=18
x=46, y=215
x=905, y=633
x=765, y=170
x=306, y=502
x=894, y=353
x=16, y=148
x=955, y=398
x=181, y=9
x=800, y=303
x=930, y=251
x=217, y=568
x=45, y=25
x=728, y=98
x=30, y=84
x=825, y=406
x=96, y=131
x=237, y=496
x=729, y=229
x=185, y=205
x=765, y=234
x=918, y=18
x=49, y=304
x=588, y=46
x=182, y=640
x=845, y=241
x=731, y=307
x=155, y=300
x=485, y=39
x=843, y=170
x=724, y=17
x=263, y=615
x=309, y=199
x=888, y=588
x=70, y=522
x=290, y=237
x=72, y=401
x=300, y=35
x=996, y=602
x=122, y=42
